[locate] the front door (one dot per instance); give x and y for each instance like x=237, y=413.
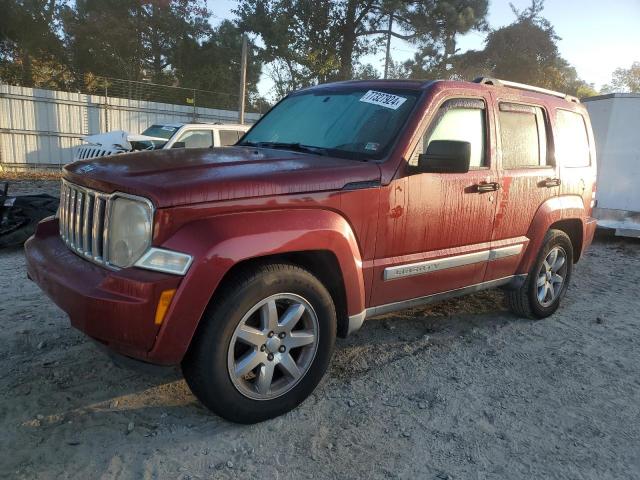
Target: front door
x=435, y=229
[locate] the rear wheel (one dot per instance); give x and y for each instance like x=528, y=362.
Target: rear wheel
x=263, y=348
x=548, y=279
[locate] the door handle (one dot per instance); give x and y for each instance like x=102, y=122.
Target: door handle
x=487, y=187
x=550, y=182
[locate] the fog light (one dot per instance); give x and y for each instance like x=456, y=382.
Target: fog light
x=165, y=261
x=163, y=305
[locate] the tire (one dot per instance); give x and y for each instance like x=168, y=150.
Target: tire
x=23, y=218
x=525, y=301
x=248, y=303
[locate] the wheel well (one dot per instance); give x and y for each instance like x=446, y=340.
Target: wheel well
x=573, y=228
x=321, y=263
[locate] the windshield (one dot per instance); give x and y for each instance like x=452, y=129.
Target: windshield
x=359, y=123
x=160, y=131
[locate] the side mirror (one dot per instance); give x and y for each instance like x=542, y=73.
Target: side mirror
x=179, y=145
x=445, y=156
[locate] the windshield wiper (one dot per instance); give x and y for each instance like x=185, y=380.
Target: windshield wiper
x=298, y=147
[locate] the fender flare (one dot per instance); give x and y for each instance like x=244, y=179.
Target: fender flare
x=220, y=242
x=555, y=209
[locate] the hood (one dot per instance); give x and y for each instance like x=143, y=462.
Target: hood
x=118, y=139
x=187, y=176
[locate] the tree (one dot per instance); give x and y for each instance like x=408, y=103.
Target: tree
x=625, y=80
x=310, y=42
x=302, y=38
x=31, y=54
x=132, y=39
x=214, y=65
x=525, y=51
x=436, y=26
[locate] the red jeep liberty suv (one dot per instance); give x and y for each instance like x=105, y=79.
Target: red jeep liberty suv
x=346, y=201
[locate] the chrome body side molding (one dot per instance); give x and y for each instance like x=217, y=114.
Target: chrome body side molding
x=355, y=321
x=420, y=268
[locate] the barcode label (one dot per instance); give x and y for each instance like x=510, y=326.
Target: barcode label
x=383, y=99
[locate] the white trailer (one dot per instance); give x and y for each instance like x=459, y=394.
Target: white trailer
x=616, y=126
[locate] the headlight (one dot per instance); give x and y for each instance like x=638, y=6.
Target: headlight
x=129, y=230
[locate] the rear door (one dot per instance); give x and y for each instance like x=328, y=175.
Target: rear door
x=574, y=156
x=528, y=178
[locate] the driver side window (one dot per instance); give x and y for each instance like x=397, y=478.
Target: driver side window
x=197, y=139
x=456, y=121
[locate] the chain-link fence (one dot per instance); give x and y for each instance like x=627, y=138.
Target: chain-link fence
x=41, y=128
x=153, y=92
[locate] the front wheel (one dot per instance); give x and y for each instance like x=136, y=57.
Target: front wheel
x=263, y=348
x=548, y=279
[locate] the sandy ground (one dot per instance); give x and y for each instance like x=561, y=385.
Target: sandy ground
x=461, y=390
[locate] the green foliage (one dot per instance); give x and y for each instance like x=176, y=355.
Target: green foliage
x=305, y=41
x=132, y=39
x=398, y=70
x=436, y=26
x=625, y=80
x=214, y=65
x=525, y=51
x=30, y=50
x=365, y=72
x=71, y=45
x=308, y=42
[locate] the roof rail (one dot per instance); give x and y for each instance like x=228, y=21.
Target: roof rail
x=523, y=86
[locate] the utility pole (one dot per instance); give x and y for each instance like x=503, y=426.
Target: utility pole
x=195, y=108
x=243, y=79
x=388, y=56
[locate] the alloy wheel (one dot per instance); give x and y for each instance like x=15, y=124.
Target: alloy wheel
x=550, y=278
x=273, y=346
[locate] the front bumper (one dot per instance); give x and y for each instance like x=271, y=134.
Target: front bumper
x=117, y=308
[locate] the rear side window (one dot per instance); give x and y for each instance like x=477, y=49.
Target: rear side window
x=571, y=140
x=229, y=137
x=523, y=136
x=461, y=120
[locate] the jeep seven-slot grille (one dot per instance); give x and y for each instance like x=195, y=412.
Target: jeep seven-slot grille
x=86, y=152
x=83, y=221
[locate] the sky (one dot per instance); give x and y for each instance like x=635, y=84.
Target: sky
x=596, y=37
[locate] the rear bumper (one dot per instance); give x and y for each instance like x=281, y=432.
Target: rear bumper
x=625, y=223
x=115, y=308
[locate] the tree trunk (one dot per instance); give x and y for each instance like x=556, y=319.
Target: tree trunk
x=27, y=69
x=348, y=42
x=156, y=49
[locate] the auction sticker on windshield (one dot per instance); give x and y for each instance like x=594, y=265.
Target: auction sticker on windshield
x=383, y=99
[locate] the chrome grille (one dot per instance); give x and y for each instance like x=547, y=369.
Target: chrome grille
x=83, y=221
x=86, y=152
